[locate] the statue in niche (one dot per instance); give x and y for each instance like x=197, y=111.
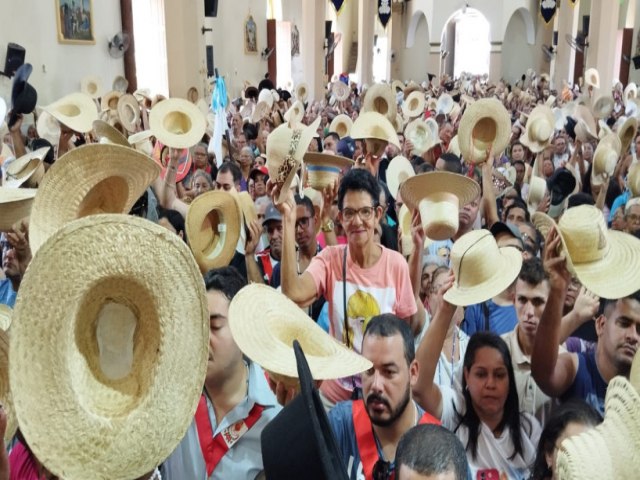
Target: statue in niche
x=295, y=41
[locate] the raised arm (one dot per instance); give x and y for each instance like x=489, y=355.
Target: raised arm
x=584, y=309
x=488, y=197
x=165, y=190
x=416, y=321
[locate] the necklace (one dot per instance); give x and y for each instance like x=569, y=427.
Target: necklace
x=453, y=354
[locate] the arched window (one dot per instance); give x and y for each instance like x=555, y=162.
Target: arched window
x=466, y=44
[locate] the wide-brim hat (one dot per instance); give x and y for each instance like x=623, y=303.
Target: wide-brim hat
x=560, y=185
x=108, y=134
x=213, y=228
x=295, y=113
x=444, y=104
x=48, y=127
x=582, y=114
x=23, y=96
x=264, y=322
x=603, y=107
x=193, y=95
x=91, y=85
x=324, y=168
x=76, y=110
x=537, y=189
x=5, y=390
x=302, y=91
x=482, y=269
x=414, y=105
x=267, y=97
x=141, y=141
x=439, y=196
x=397, y=86
x=421, y=136
x=341, y=125
x=399, y=170
x=177, y=123
x=633, y=179
x=630, y=91
x=122, y=359
x=627, y=132
x=92, y=179
x=340, y=90
x=15, y=204
x=484, y=124
x=605, y=159
x=605, y=261
x=120, y=84
x=381, y=99
x=109, y=101
x=374, y=125
x=261, y=111
x=539, y=130
x=129, y=112
x=28, y=170
x=248, y=207
x=454, y=146
x=592, y=78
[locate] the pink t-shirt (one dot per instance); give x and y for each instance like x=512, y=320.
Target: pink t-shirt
x=383, y=288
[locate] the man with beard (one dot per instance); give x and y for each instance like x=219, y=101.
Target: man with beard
x=14, y=249
x=268, y=258
x=368, y=430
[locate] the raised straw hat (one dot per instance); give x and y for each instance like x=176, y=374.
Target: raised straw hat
x=380, y=98
x=108, y=134
x=120, y=84
x=141, y=141
x=77, y=111
x=605, y=159
x=122, y=354
x=592, y=78
x=414, y=105
x=627, y=133
x=5, y=390
x=129, y=112
x=539, y=130
x=91, y=85
x=537, y=190
x=484, y=125
x=109, y=100
x=177, y=123
x=15, y=204
x=323, y=169
x=340, y=90
x=295, y=113
x=376, y=130
x=421, y=136
x=302, y=92
x=399, y=170
x=27, y=171
x=603, y=107
x=341, y=125
x=633, y=179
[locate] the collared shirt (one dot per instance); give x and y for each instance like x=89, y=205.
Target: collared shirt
x=244, y=458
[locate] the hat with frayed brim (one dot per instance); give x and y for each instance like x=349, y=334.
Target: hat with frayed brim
x=108, y=134
x=129, y=112
x=341, y=125
x=124, y=353
x=484, y=125
x=627, y=133
x=420, y=134
x=439, y=196
x=340, y=90
x=605, y=261
x=374, y=125
x=323, y=168
x=27, y=171
x=414, y=105
x=5, y=391
x=177, y=123
x=91, y=85
x=77, y=111
x=92, y=179
x=213, y=228
x=264, y=322
x=399, y=170
x=603, y=107
x=482, y=269
x=15, y=204
x=539, y=130
x=381, y=99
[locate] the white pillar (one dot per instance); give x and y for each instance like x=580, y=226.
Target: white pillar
x=603, y=45
x=312, y=46
x=366, y=17
x=567, y=24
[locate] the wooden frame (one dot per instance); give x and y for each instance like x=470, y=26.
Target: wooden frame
x=75, y=27
x=250, y=35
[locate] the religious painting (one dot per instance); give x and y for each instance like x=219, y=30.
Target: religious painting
x=250, y=36
x=295, y=41
x=75, y=21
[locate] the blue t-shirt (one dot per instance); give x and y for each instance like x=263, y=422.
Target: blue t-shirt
x=501, y=319
x=7, y=294
x=588, y=384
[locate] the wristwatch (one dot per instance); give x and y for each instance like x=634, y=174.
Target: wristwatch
x=327, y=226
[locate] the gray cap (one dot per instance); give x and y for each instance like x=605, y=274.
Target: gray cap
x=510, y=228
x=270, y=214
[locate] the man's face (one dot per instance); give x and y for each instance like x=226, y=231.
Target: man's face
x=224, y=354
x=261, y=208
x=446, y=133
x=520, y=169
x=620, y=333
x=516, y=216
x=200, y=157
x=10, y=265
x=468, y=214
x=274, y=234
x=632, y=217
x=259, y=185
x=305, y=226
x=241, y=141
x=224, y=181
x=560, y=145
x=517, y=153
x=236, y=122
x=330, y=144
x=530, y=302
x=386, y=386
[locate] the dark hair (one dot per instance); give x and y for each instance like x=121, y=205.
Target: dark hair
x=250, y=131
x=532, y=272
x=424, y=168
x=233, y=168
x=432, y=450
x=335, y=136
x=226, y=280
x=573, y=411
x=517, y=142
x=451, y=162
x=175, y=219
x=518, y=203
x=37, y=143
x=610, y=301
x=306, y=201
x=360, y=180
x=388, y=325
x=580, y=198
x=511, y=417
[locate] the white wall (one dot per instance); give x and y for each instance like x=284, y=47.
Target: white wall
x=58, y=68
x=517, y=54
x=414, y=60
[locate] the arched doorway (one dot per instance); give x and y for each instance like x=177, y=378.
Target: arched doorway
x=466, y=45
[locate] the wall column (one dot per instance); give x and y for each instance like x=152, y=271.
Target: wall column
x=366, y=17
x=312, y=46
x=567, y=24
x=603, y=41
x=495, y=62
x=394, y=29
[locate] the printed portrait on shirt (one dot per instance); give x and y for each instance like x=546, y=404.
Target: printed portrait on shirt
x=361, y=307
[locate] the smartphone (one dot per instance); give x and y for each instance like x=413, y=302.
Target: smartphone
x=488, y=474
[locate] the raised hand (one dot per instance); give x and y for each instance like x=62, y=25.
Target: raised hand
x=555, y=263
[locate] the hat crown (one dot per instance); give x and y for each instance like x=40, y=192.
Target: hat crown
x=585, y=234
x=285, y=148
x=474, y=257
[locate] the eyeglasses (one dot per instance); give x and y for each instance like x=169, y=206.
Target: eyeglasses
x=302, y=222
x=381, y=470
x=365, y=213
x=633, y=218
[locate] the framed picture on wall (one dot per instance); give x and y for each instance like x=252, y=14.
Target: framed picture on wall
x=250, y=36
x=75, y=21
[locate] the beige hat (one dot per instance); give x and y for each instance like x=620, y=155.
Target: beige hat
x=605, y=261
x=77, y=111
x=540, y=128
x=603, y=107
x=404, y=226
x=177, y=123
x=397, y=86
x=399, y=170
x=5, y=391
x=295, y=114
x=421, y=135
x=340, y=90
x=141, y=141
x=432, y=104
x=537, y=190
x=454, y=146
x=108, y=134
x=213, y=228
x=261, y=111
x=266, y=96
x=381, y=99
x=264, y=323
x=630, y=91
x=248, y=207
x=122, y=358
x=323, y=168
x=302, y=91
x=414, y=105
x=373, y=125
x=286, y=146
x=482, y=270
x=341, y=125
x=444, y=104
x=439, y=196
x=633, y=179
x=5, y=317
x=484, y=124
x=120, y=84
x=193, y=95
x=455, y=112
x=627, y=132
x=94, y=178
x=592, y=78
x=129, y=112
x=109, y=100
x=91, y=85
x=28, y=170
x=15, y=204
x=605, y=159
x=48, y=127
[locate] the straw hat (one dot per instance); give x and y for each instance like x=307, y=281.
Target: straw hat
x=261, y=111
x=633, y=179
x=192, y=95
x=302, y=91
x=605, y=159
x=399, y=170
x=397, y=86
x=439, y=196
x=28, y=170
x=340, y=90
x=444, y=104
x=91, y=85
x=77, y=111
x=129, y=112
x=48, y=127
x=323, y=168
x=421, y=135
x=484, y=124
x=341, y=125
x=454, y=146
x=248, y=207
x=177, y=123
x=540, y=128
x=603, y=107
x=109, y=100
x=380, y=98
x=213, y=228
x=404, y=226
x=15, y=204
x=295, y=114
x=455, y=112
x=374, y=125
x=95, y=178
x=5, y=391
x=120, y=84
x=605, y=261
x=264, y=323
x=630, y=91
x=122, y=358
x=141, y=141
x=266, y=96
x=5, y=317
x=537, y=189
x=414, y=105
x=108, y=134
x=482, y=270
x=627, y=133
x=592, y=78
x=143, y=95
x=286, y=146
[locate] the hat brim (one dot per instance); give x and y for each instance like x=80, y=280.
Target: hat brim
x=111, y=134
x=15, y=204
x=77, y=111
x=196, y=123
x=5, y=390
x=416, y=188
x=399, y=170
x=129, y=112
x=474, y=150
x=327, y=160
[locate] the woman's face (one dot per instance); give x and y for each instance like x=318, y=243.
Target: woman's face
x=547, y=167
x=245, y=158
x=200, y=157
x=572, y=429
x=259, y=161
x=488, y=383
x=200, y=185
x=425, y=281
x=587, y=151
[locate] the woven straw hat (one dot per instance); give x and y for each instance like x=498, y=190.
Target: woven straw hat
x=15, y=204
x=177, y=123
x=399, y=170
x=5, y=316
x=91, y=85
x=340, y=90
x=540, y=128
x=404, y=225
x=454, y=146
x=633, y=179
x=380, y=98
x=605, y=261
x=248, y=207
x=213, y=228
x=261, y=111
x=286, y=146
x=603, y=107
x=122, y=358
x=141, y=141
x=323, y=168
x=109, y=100
x=605, y=159
x=592, y=78
x=28, y=170
x=374, y=125
x=295, y=114
x=421, y=135
x=5, y=391
x=484, y=124
x=397, y=86
x=129, y=112
x=341, y=125
x=77, y=111
x=537, y=189
x=439, y=196
x=302, y=91
x=108, y=134
x=627, y=133
x=264, y=323
x=444, y=104
x=120, y=84
x=96, y=178
x=414, y=105
x=482, y=270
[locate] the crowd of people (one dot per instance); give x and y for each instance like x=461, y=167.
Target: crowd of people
x=457, y=259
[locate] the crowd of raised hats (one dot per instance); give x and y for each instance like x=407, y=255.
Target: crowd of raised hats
x=114, y=205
